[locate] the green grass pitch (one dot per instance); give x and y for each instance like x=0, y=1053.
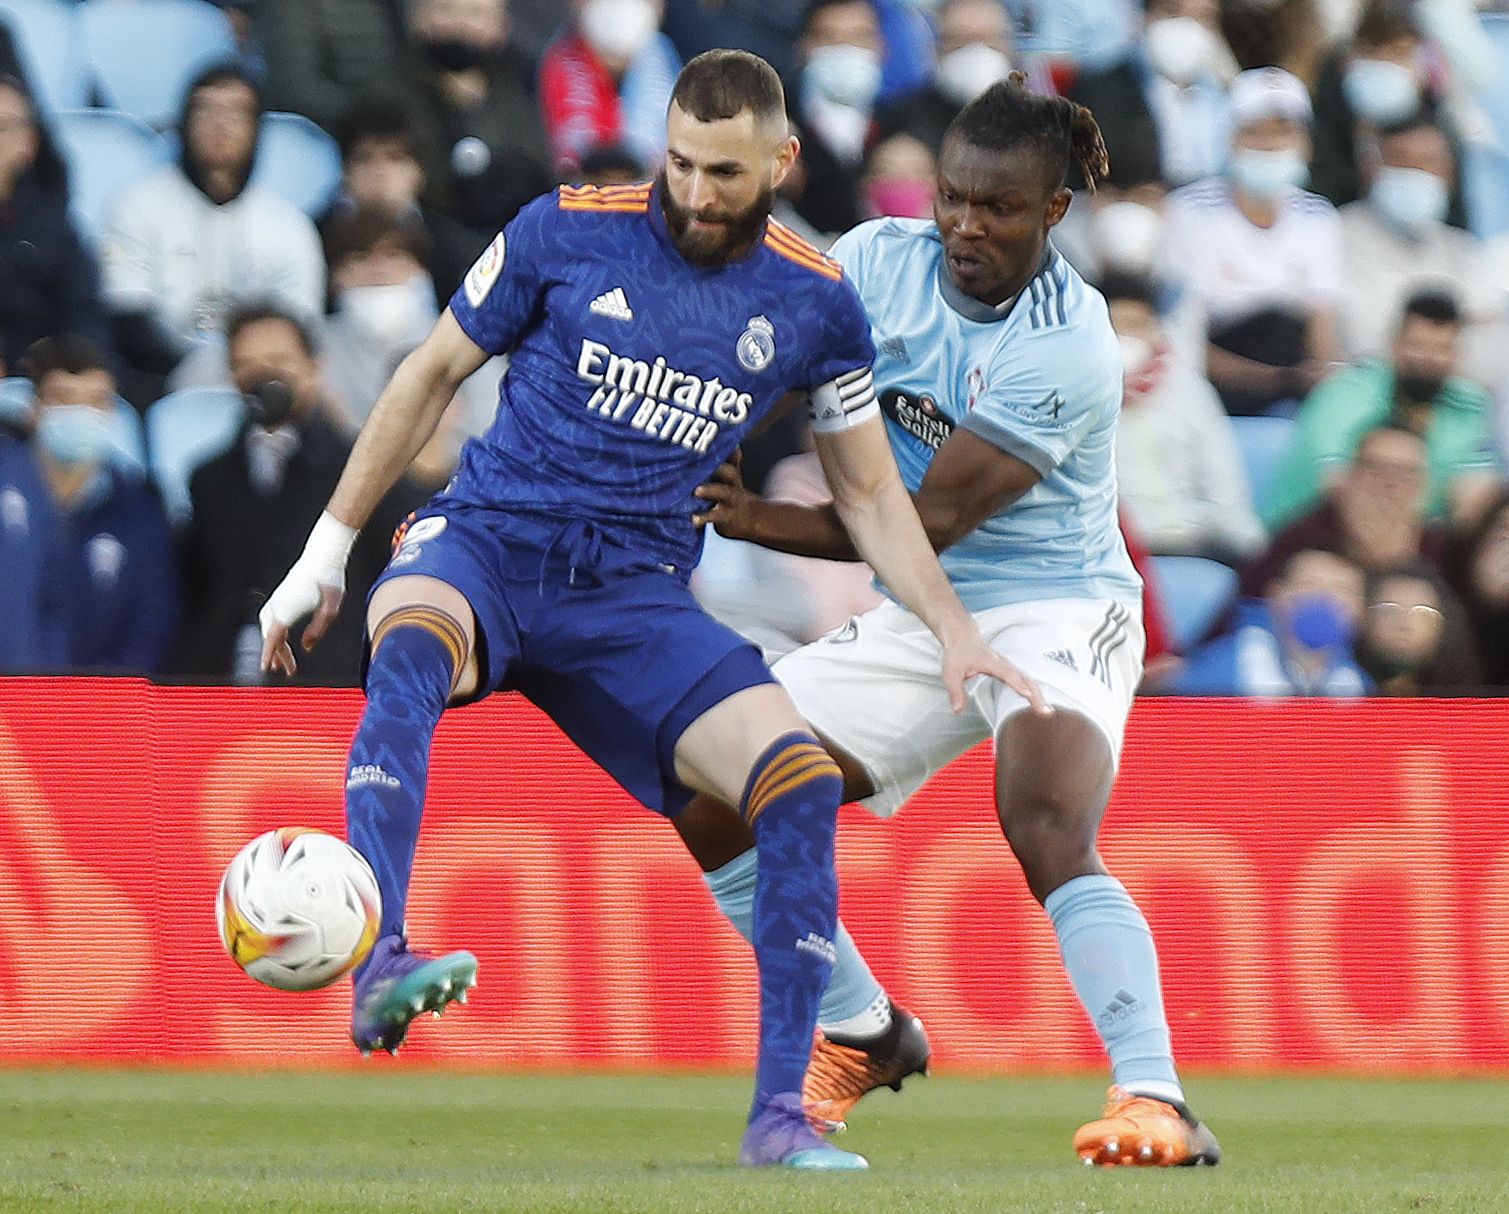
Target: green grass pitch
x=415, y=1140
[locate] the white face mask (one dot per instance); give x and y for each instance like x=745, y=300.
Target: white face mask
x=1268, y=175
x=1380, y=90
x=1181, y=49
x=1136, y=353
x=963, y=74
x=1409, y=198
x=617, y=29
x=1128, y=236
x=399, y=316
x=845, y=75
x=74, y=434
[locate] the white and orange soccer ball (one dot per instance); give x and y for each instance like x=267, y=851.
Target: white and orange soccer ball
x=298, y=908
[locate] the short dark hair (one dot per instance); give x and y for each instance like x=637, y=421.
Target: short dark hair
x=376, y=118
x=1385, y=21
x=363, y=229
x=227, y=71
x=1008, y=116
x=1432, y=304
x=723, y=84
x=1123, y=285
x=66, y=352
x=611, y=158
x=246, y=315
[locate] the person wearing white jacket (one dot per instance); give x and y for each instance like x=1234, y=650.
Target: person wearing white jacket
x=1178, y=469
x=189, y=241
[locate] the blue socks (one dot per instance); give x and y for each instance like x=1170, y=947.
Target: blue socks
x=1109, y=954
x=416, y=654
x=852, y=990
x=791, y=802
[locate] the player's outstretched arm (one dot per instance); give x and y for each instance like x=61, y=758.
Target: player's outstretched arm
x=878, y=513
x=402, y=421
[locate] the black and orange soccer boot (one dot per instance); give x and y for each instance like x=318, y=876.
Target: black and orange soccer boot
x=843, y=1070
x=1138, y=1131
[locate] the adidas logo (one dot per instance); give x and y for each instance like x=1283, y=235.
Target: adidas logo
x=1063, y=657
x=612, y=303
x=1122, y=1005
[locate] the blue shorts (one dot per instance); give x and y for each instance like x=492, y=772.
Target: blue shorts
x=612, y=646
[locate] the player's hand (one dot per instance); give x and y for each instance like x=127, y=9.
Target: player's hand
x=732, y=504
x=969, y=655
x=316, y=584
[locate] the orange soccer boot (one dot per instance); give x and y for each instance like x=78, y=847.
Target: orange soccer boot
x=1142, y=1132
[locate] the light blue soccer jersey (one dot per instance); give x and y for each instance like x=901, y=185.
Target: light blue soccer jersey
x=1040, y=378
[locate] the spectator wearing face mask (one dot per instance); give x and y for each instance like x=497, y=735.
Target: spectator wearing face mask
x=1395, y=240
x=607, y=80
x=1479, y=572
x=1417, y=388
x=254, y=504
x=900, y=179
x=382, y=168
x=116, y=609
x=1389, y=74
x=1297, y=640
x=1170, y=96
x=1373, y=511
x=384, y=307
x=475, y=116
x=1414, y=639
x=974, y=51
x=190, y=241
x=1177, y=466
x=1261, y=255
x=833, y=104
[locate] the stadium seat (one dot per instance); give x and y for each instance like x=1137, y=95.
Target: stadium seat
x=1485, y=185
x=1263, y=442
x=15, y=399
x=144, y=52
x=47, y=37
x=298, y=161
x=1194, y=593
x=1495, y=98
x=126, y=433
x=104, y=149
x=184, y=430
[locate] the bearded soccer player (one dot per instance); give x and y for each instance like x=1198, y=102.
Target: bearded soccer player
x=999, y=376
x=650, y=328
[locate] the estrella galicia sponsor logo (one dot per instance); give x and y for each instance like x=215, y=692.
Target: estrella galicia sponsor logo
x=918, y=415
x=756, y=345
x=673, y=406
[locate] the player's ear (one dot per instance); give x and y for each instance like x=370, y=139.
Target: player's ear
x=1058, y=207
x=786, y=153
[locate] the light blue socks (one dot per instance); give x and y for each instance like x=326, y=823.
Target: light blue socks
x=1109, y=954
x=852, y=991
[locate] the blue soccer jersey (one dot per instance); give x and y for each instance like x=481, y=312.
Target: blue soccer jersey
x=1039, y=377
x=633, y=373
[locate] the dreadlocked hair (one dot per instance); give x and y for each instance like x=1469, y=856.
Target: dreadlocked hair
x=1007, y=116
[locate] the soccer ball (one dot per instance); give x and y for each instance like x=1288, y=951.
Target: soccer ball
x=298, y=908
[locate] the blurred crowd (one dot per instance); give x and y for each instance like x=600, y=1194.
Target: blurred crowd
x=1304, y=243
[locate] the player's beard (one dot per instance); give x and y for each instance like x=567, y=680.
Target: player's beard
x=735, y=232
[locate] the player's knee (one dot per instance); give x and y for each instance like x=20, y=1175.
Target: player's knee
x=794, y=777
x=420, y=647
x=1052, y=844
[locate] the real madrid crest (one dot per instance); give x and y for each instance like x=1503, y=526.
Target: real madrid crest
x=756, y=346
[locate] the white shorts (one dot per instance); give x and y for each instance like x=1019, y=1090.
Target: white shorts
x=874, y=688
